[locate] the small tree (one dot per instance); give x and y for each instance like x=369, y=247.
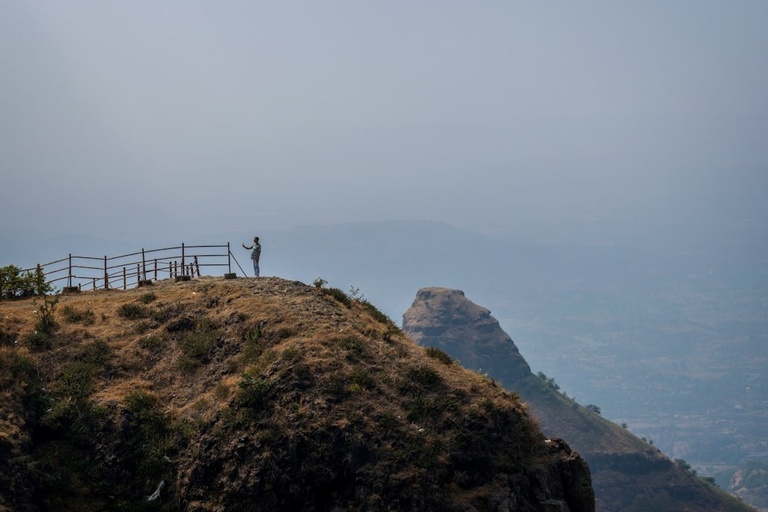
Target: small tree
x=15, y=283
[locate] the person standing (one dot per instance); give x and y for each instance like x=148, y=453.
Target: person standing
x=255, y=254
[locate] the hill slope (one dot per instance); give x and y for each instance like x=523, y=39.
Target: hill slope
x=628, y=474
x=256, y=395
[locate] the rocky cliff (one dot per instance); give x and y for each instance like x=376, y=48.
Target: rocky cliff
x=256, y=395
x=628, y=474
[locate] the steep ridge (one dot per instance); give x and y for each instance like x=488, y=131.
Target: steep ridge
x=628, y=474
x=252, y=395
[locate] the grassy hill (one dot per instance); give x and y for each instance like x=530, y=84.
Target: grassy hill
x=263, y=394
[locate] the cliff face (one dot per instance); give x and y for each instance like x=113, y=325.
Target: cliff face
x=446, y=319
x=628, y=474
x=254, y=395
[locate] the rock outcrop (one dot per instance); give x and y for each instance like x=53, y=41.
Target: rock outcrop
x=628, y=474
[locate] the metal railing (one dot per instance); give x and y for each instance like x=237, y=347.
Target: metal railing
x=134, y=269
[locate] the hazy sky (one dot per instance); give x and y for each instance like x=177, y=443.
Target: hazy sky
x=142, y=118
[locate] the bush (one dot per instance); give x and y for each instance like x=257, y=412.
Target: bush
x=253, y=392
x=74, y=316
x=352, y=344
x=376, y=312
x=45, y=321
x=425, y=375
x=6, y=339
x=147, y=298
x=438, y=355
x=197, y=345
x=132, y=311
x=38, y=341
x=339, y=295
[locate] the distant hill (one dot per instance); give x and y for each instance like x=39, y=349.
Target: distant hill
x=256, y=395
x=628, y=473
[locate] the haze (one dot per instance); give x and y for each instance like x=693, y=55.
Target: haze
x=140, y=120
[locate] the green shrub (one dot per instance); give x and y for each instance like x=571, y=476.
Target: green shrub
x=362, y=378
x=196, y=346
x=133, y=311
x=38, y=341
x=15, y=368
x=439, y=355
x=75, y=316
x=352, y=344
x=6, y=339
x=253, y=392
x=147, y=298
x=76, y=379
x=45, y=321
x=152, y=343
x=339, y=295
x=148, y=449
x=425, y=375
x=96, y=354
x=375, y=312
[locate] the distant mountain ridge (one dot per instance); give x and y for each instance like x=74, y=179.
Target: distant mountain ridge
x=628, y=473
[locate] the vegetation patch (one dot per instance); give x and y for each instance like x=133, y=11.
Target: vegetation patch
x=439, y=355
x=375, y=312
x=133, y=311
x=148, y=297
x=339, y=295
x=425, y=375
x=152, y=343
x=253, y=392
x=17, y=283
x=73, y=315
x=38, y=341
x=196, y=346
x=352, y=344
x=6, y=338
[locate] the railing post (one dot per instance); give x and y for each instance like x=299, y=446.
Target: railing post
x=229, y=259
x=125, y=279
x=155, y=269
x=106, y=275
x=183, y=266
x=143, y=266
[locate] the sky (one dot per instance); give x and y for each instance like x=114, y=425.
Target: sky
x=154, y=119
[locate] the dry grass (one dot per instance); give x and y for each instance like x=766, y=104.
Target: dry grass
x=268, y=358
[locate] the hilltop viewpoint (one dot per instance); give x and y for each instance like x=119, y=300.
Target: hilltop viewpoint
x=256, y=395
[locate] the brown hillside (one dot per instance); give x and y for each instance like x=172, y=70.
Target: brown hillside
x=260, y=394
x=628, y=474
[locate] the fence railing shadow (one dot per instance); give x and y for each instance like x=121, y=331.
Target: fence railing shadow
x=134, y=269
